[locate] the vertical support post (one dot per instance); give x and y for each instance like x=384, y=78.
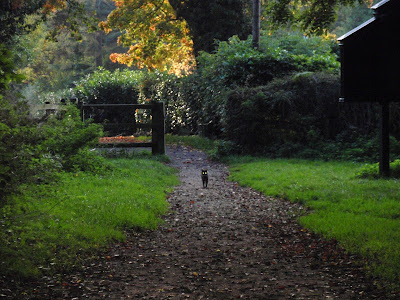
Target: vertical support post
x=158, y=128
x=81, y=109
x=384, y=157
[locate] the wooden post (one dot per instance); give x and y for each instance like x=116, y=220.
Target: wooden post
x=384, y=147
x=158, y=128
x=81, y=109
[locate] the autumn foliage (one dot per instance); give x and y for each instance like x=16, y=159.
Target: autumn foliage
x=156, y=38
x=53, y=5
x=118, y=140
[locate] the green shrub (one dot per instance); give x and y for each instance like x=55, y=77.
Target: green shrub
x=69, y=140
x=104, y=86
x=167, y=88
x=299, y=109
x=30, y=153
x=371, y=171
x=7, y=69
x=197, y=103
x=223, y=149
x=296, y=43
x=21, y=161
x=300, y=116
x=236, y=62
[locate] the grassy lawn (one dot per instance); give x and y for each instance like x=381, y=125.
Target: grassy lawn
x=362, y=214
x=49, y=227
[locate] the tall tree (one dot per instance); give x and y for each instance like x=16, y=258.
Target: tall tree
x=12, y=16
x=256, y=23
x=14, y=12
x=350, y=17
x=156, y=37
x=54, y=64
x=213, y=20
x=312, y=16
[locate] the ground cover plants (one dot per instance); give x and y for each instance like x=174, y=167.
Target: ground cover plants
x=362, y=214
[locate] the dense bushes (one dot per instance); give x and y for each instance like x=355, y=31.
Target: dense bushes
x=18, y=156
x=30, y=153
x=196, y=103
x=372, y=171
x=236, y=63
x=280, y=100
x=70, y=141
x=104, y=86
x=300, y=116
x=34, y=153
x=298, y=109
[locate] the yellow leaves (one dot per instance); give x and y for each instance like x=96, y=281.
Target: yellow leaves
x=104, y=26
x=119, y=3
x=53, y=5
x=113, y=57
x=158, y=39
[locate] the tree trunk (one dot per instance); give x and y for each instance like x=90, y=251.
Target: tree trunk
x=99, y=40
x=256, y=23
x=99, y=49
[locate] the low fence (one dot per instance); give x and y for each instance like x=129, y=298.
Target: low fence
x=157, y=124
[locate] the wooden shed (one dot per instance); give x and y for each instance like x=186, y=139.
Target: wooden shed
x=370, y=67
x=370, y=57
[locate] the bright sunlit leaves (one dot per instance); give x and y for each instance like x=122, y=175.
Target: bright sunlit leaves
x=156, y=38
x=53, y=5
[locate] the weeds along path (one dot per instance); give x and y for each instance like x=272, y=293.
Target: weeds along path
x=223, y=242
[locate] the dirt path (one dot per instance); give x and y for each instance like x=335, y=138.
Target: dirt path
x=224, y=242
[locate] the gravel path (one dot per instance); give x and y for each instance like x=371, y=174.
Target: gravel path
x=223, y=242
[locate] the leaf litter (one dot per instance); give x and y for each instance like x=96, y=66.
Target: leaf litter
x=223, y=242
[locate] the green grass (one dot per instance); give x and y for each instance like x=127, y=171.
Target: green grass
x=49, y=227
x=362, y=214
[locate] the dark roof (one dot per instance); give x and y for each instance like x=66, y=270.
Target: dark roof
x=383, y=9
x=379, y=4
x=357, y=29
x=387, y=7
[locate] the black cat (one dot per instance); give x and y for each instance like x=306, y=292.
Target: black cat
x=204, y=177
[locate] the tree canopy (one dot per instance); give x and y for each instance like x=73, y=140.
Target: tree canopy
x=312, y=16
x=13, y=15
x=160, y=34
x=213, y=20
x=156, y=37
x=164, y=34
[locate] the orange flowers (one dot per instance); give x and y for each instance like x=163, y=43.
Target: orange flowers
x=117, y=140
